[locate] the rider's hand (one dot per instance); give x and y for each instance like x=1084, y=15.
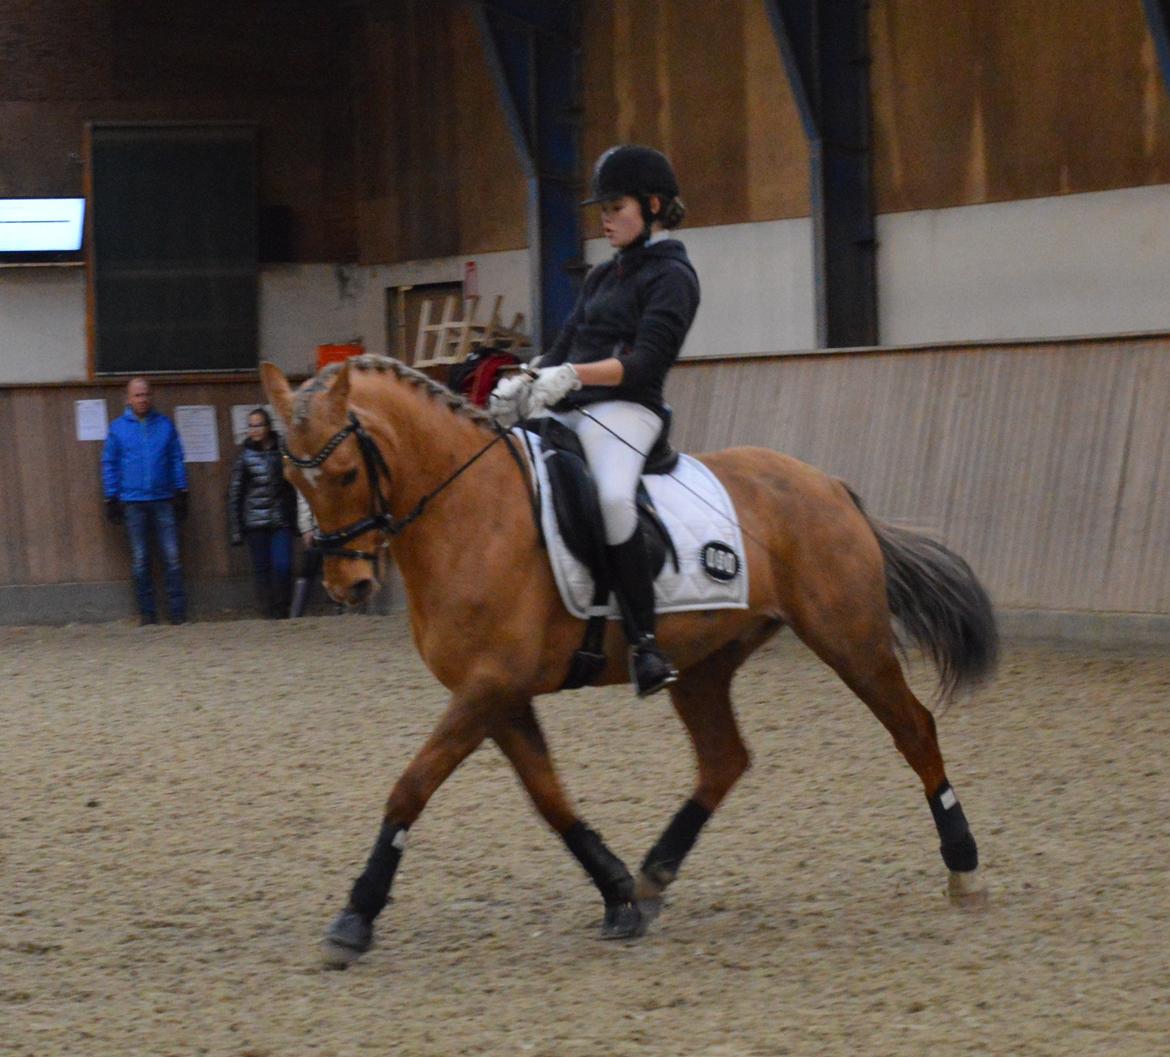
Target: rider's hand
x=508, y=403
x=552, y=385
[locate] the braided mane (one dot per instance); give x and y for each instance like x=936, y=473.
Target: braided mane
x=370, y=362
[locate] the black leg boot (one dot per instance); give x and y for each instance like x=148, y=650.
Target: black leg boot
x=282, y=599
x=632, y=583
x=300, y=597
x=263, y=592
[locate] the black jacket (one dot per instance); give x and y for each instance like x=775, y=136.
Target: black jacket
x=637, y=306
x=258, y=496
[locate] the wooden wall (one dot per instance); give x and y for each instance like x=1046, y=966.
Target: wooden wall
x=1013, y=99
x=437, y=170
x=52, y=516
x=703, y=82
x=283, y=64
x=1047, y=466
x=382, y=139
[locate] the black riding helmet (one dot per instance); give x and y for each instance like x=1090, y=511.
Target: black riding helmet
x=632, y=170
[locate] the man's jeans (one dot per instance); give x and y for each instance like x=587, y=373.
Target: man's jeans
x=140, y=518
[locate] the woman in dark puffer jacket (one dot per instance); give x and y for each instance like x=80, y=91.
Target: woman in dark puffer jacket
x=262, y=508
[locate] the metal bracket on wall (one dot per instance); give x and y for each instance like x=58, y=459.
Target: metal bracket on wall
x=533, y=51
x=829, y=76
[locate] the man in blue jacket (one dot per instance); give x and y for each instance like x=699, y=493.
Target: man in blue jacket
x=145, y=484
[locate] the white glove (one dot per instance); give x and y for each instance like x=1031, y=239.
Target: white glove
x=508, y=403
x=552, y=385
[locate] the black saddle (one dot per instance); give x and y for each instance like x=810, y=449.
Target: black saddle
x=578, y=514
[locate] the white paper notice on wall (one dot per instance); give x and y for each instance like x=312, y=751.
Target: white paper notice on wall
x=92, y=419
x=198, y=432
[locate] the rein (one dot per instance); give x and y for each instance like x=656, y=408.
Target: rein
x=332, y=544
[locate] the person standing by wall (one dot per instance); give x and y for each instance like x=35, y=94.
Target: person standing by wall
x=262, y=508
x=145, y=485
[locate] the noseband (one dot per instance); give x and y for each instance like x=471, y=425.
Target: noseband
x=332, y=544
x=379, y=519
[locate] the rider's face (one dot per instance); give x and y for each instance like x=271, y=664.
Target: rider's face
x=621, y=221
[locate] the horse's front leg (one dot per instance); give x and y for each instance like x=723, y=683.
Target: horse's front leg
x=457, y=735
x=520, y=739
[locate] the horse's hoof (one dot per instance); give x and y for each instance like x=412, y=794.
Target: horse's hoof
x=623, y=921
x=650, y=908
x=646, y=888
x=967, y=889
x=348, y=937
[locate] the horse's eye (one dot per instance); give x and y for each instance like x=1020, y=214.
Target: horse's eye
x=349, y=477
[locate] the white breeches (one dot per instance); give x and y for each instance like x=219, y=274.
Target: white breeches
x=615, y=461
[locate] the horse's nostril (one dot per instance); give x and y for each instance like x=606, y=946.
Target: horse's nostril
x=359, y=591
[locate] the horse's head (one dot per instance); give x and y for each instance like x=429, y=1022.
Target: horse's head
x=331, y=467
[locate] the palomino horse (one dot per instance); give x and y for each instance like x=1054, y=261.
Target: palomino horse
x=383, y=453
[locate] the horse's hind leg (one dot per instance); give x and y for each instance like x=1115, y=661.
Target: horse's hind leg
x=520, y=739
x=869, y=667
x=702, y=698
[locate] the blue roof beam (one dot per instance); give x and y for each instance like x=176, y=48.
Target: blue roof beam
x=533, y=50
x=824, y=47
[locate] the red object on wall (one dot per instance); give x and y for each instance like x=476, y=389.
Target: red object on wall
x=327, y=354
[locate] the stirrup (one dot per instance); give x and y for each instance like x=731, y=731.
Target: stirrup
x=650, y=671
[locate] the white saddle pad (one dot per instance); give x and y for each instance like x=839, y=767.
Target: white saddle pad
x=700, y=517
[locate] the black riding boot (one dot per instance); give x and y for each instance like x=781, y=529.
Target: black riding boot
x=632, y=584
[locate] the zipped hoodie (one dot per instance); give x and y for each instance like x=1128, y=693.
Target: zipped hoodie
x=637, y=306
x=142, y=460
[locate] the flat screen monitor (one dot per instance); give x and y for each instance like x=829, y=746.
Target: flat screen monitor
x=36, y=230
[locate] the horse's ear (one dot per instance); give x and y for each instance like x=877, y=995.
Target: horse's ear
x=338, y=395
x=277, y=389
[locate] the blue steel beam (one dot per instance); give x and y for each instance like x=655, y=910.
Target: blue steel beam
x=1158, y=19
x=824, y=48
x=532, y=49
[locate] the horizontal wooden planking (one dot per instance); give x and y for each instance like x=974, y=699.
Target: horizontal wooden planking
x=52, y=513
x=1046, y=466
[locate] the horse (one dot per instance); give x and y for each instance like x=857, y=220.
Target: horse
x=388, y=458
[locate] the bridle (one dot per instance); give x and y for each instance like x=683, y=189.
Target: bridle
x=379, y=519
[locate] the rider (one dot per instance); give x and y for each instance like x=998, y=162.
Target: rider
x=603, y=377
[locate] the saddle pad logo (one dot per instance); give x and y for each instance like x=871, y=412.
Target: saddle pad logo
x=720, y=562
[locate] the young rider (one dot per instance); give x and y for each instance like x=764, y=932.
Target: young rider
x=603, y=377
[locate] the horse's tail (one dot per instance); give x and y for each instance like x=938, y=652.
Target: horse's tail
x=941, y=606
